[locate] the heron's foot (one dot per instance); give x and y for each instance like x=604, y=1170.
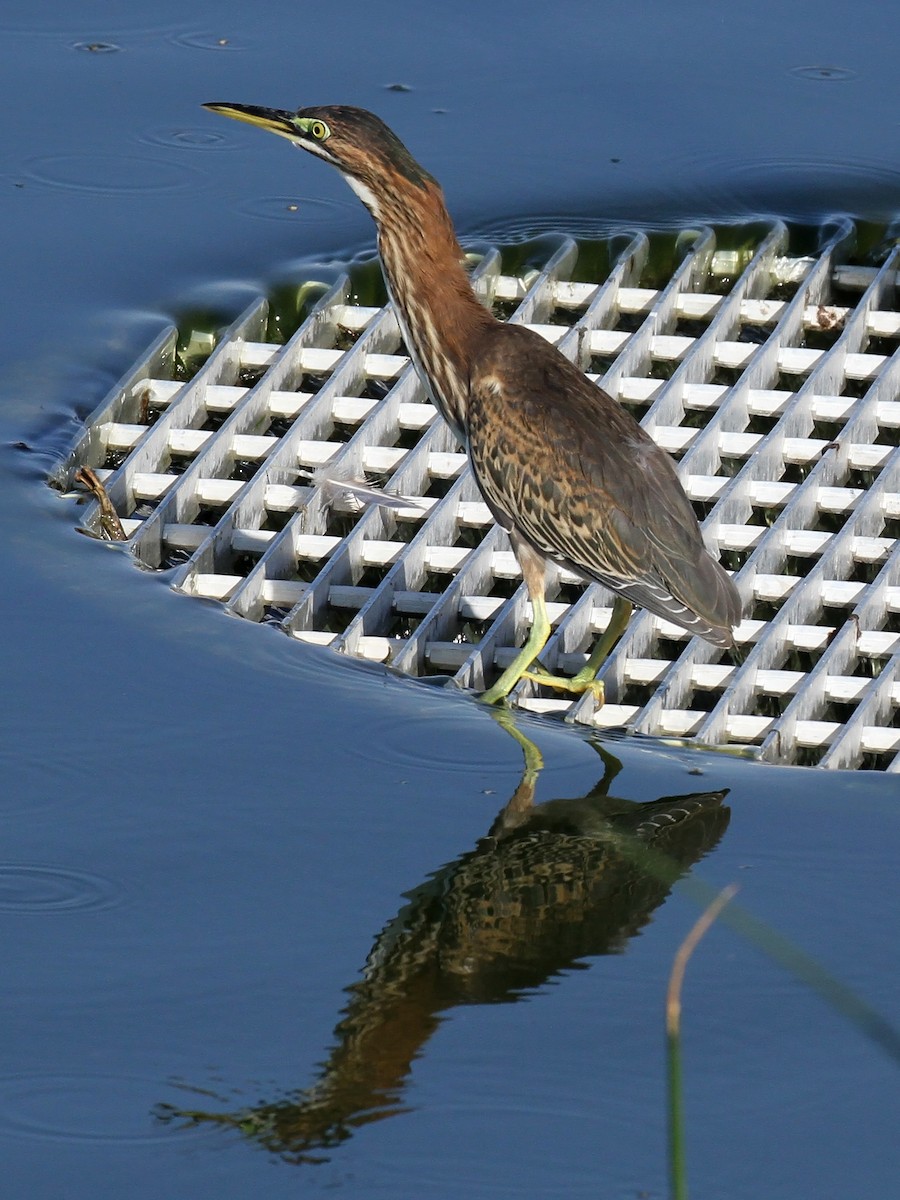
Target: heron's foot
x=584, y=681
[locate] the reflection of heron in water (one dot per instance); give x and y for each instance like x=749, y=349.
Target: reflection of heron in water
x=550, y=885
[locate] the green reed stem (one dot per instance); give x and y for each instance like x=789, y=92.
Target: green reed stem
x=677, y=1158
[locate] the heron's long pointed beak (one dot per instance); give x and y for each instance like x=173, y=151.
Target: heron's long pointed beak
x=276, y=120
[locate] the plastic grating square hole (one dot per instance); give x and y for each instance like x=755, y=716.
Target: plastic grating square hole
x=702, y=508
x=861, y=478
x=756, y=335
x=798, y=565
x=829, y=431
x=838, y=711
x=765, y=610
x=765, y=704
x=279, y=427
x=789, y=381
x=311, y=383
x=826, y=522
x=795, y=472
x=761, y=424
x=373, y=574
x=502, y=310
x=662, y=369
x=637, y=408
x=882, y=345
x=406, y=439
x=376, y=389
x=152, y=416
x=207, y=514
x=785, y=292
x=173, y=557
x=855, y=388
x=872, y=761
x=333, y=619
x=626, y=322
x=244, y=469
x=241, y=564
x=178, y=463
x=114, y=459
x=692, y=327
x=824, y=339
x=803, y=661
x=764, y=515
x=809, y=756
x=345, y=339
x=144, y=509
x=342, y=431
x=726, y=376
x=213, y=421
x=866, y=572
x=437, y=487
x=565, y=318
x=696, y=418
x=249, y=377
x=868, y=668
x=275, y=520
x=702, y=699
x=468, y=537
x=307, y=569
x=500, y=589
x=636, y=694
x=729, y=467
x=404, y=529
x=340, y=524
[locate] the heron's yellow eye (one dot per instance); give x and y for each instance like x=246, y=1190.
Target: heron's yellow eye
x=319, y=130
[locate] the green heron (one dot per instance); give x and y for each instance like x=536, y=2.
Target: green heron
x=566, y=471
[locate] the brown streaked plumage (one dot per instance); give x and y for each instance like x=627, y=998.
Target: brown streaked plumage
x=565, y=470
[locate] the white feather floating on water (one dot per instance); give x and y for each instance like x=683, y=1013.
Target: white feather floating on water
x=356, y=494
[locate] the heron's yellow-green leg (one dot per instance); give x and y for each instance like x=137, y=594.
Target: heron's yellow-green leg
x=533, y=568
x=618, y=623
x=586, y=679
x=537, y=639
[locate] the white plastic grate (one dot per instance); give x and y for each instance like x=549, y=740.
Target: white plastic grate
x=773, y=377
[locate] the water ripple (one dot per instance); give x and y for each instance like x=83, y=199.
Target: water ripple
x=516, y=230
x=97, y=47
x=791, y=185
x=823, y=74
x=459, y=744
x=53, y=22
x=188, y=137
x=84, y=1108
x=108, y=174
x=307, y=209
x=204, y=40
x=37, y=889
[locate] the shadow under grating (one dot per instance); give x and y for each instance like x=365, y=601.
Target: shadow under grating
x=772, y=375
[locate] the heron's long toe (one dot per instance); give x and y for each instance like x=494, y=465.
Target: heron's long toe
x=577, y=684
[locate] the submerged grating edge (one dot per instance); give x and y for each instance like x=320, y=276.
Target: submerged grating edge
x=773, y=378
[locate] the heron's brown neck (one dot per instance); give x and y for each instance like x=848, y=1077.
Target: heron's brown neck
x=439, y=312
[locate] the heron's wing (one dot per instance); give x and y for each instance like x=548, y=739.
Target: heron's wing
x=558, y=460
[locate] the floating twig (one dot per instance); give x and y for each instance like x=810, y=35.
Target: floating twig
x=110, y=525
